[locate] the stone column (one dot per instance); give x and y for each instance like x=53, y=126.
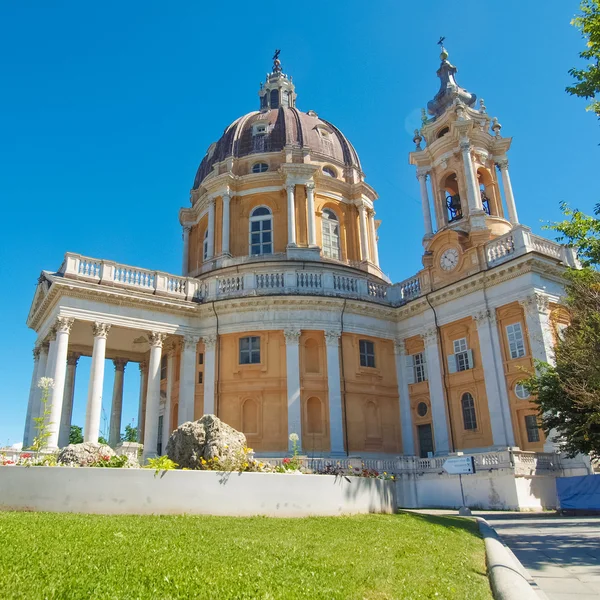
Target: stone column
x=294, y=406
x=37, y=408
x=67, y=409
x=502, y=165
x=29, y=423
x=94, y=402
x=436, y=392
x=336, y=417
x=226, y=226
x=425, y=206
x=291, y=210
x=210, y=343
x=310, y=209
x=473, y=195
x=63, y=328
x=408, y=441
x=114, y=436
x=541, y=344
x=495, y=386
x=51, y=362
x=374, y=237
x=364, y=242
x=167, y=426
x=187, y=379
x=156, y=340
x=186, y=250
x=210, y=251
x=143, y=386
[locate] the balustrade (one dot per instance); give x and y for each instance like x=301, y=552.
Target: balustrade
x=309, y=280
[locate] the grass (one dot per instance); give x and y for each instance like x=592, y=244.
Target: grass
x=71, y=556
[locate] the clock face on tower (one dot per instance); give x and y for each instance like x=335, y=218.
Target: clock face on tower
x=449, y=259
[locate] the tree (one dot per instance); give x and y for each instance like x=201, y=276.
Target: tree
x=76, y=435
x=130, y=434
x=568, y=392
x=588, y=79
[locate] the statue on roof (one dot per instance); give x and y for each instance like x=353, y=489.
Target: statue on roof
x=276, y=61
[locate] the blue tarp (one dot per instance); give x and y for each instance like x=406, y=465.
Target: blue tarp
x=579, y=493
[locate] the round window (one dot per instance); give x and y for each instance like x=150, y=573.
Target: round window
x=521, y=391
x=422, y=409
x=260, y=167
x=329, y=172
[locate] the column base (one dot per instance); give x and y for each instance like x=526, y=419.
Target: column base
x=298, y=253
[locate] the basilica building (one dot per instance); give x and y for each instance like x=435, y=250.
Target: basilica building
x=282, y=320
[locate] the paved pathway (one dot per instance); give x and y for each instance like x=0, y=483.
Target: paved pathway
x=562, y=554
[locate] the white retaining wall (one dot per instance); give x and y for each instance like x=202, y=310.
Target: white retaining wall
x=138, y=491
x=499, y=489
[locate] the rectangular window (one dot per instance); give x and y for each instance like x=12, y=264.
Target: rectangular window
x=250, y=350
x=516, y=343
x=462, y=355
x=367, y=353
x=419, y=367
x=533, y=433
x=159, y=436
x=200, y=358
x=163, y=367
x=200, y=377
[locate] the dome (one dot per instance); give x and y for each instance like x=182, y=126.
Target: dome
x=277, y=125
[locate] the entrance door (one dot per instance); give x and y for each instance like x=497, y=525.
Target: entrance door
x=425, y=439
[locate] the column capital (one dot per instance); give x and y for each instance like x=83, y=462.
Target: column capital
x=310, y=185
x=210, y=341
x=120, y=363
x=36, y=353
x=190, y=342
x=430, y=336
x=535, y=303
x=100, y=329
x=292, y=336
x=483, y=317
x=44, y=347
x=502, y=164
x=186, y=228
x=465, y=144
x=290, y=187
x=73, y=358
x=143, y=365
x=211, y=202
x=423, y=174
x=64, y=324
x=156, y=339
x=51, y=334
x=332, y=337
x=399, y=347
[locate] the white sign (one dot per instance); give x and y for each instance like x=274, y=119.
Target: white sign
x=460, y=465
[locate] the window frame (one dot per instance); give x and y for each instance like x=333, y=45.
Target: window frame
x=461, y=355
x=260, y=219
x=519, y=386
x=257, y=167
x=164, y=366
x=516, y=339
x=366, y=352
x=252, y=351
x=529, y=430
x=205, y=245
x=420, y=367
x=329, y=172
x=330, y=223
x=469, y=412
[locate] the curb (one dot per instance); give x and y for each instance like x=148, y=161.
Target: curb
x=507, y=576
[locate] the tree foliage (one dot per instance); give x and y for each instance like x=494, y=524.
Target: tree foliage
x=588, y=79
x=76, y=435
x=130, y=434
x=568, y=392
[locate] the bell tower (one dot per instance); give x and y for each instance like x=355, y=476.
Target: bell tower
x=457, y=148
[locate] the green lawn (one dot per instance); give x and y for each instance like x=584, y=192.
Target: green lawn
x=68, y=556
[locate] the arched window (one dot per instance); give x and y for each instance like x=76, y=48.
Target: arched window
x=450, y=186
x=468, y=411
x=443, y=132
x=274, y=98
x=285, y=98
x=205, y=245
x=331, y=234
x=250, y=417
x=261, y=231
x=314, y=416
x=260, y=167
x=329, y=172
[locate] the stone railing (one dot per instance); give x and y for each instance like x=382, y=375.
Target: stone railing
x=520, y=241
x=523, y=463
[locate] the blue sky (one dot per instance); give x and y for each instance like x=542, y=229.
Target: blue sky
x=107, y=109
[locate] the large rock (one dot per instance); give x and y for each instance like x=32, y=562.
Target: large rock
x=84, y=454
x=206, y=438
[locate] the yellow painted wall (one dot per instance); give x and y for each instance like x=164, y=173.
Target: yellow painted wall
x=418, y=392
x=253, y=398
x=472, y=381
x=516, y=370
x=371, y=397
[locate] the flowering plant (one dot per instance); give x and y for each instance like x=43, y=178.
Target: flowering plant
x=42, y=423
x=292, y=463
